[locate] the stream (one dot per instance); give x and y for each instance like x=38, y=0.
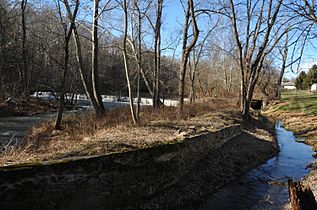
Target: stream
x=15, y=128
x=258, y=189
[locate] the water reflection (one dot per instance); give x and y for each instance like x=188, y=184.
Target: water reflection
x=262, y=187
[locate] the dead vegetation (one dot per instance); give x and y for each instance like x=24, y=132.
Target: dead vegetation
x=86, y=134
x=23, y=107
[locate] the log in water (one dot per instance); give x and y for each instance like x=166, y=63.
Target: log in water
x=301, y=196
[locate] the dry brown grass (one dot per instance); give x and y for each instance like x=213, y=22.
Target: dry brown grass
x=23, y=107
x=88, y=135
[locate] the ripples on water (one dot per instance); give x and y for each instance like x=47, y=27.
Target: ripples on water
x=254, y=191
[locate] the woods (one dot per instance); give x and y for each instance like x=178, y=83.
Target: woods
x=127, y=48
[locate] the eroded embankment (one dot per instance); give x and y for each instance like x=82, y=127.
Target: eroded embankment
x=161, y=177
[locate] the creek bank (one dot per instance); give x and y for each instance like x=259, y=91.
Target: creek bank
x=304, y=126
x=301, y=123
x=25, y=107
x=166, y=176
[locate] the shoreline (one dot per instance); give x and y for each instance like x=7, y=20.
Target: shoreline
x=304, y=126
x=202, y=175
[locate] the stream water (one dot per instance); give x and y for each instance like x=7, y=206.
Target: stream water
x=258, y=189
x=15, y=128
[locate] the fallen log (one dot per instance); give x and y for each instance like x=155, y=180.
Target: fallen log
x=301, y=196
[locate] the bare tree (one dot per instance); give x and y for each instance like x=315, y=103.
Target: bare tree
x=24, y=73
x=99, y=108
x=157, y=54
x=67, y=33
x=257, y=37
x=190, y=19
x=194, y=60
x=137, y=53
x=284, y=54
x=95, y=59
x=139, y=61
x=126, y=64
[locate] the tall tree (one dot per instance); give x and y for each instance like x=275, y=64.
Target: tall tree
x=126, y=64
x=157, y=53
x=194, y=59
x=98, y=107
x=24, y=72
x=95, y=58
x=190, y=19
x=284, y=54
x=67, y=33
x=254, y=41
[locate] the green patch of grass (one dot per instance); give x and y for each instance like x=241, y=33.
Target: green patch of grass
x=300, y=101
x=283, y=108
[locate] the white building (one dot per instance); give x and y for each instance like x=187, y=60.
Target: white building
x=288, y=85
x=313, y=87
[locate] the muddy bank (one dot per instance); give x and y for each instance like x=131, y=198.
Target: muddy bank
x=167, y=176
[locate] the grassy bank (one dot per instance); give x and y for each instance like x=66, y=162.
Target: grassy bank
x=86, y=134
x=298, y=111
x=299, y=101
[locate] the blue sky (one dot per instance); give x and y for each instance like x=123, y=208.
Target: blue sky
x=308, y=60
x=174, y=18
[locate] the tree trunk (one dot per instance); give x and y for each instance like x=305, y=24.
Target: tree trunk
x=25, y=73
x=126, y=66
x=281, y=75
x=99, y=110
x=190, y=14
x=139, y=60
x=157, y=54
x=84, y=80
x=94, y=57
x=192, y=74
x=67, y=36
x=301, y=196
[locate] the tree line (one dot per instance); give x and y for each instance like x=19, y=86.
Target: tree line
x=305, y=80
x=224, y=47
